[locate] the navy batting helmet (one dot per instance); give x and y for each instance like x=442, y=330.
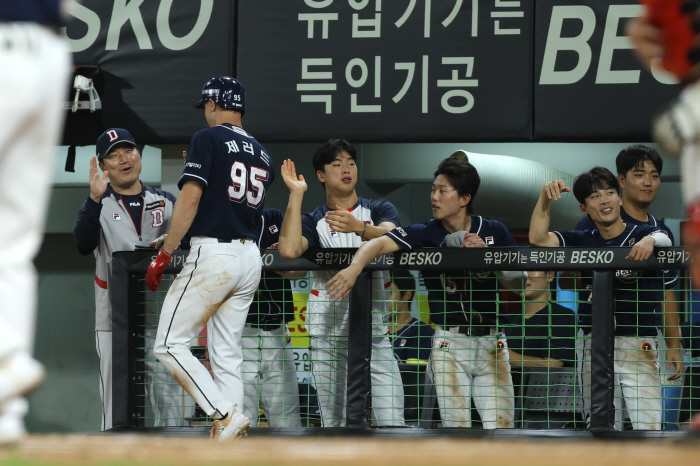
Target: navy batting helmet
x=225, y=92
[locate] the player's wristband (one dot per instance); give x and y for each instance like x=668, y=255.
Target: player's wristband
x=363, y=231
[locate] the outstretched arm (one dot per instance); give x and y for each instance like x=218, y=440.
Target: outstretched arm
x=292, y=243
x=539, y=223
x=340, y=285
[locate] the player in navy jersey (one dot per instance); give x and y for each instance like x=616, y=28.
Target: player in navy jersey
x=469, y=357
x=269, y=373
x=345, y=221
x=223, y=189
x=544, y=334
x=35, y=66
x=411, y=338
x=636, y=370
x=639, y=173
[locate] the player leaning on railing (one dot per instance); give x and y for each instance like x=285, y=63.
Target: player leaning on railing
x=639, y=173
x=467, y=349
x=345, y=221
x=598, y=192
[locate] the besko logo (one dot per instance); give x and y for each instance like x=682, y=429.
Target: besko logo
x=127, y=14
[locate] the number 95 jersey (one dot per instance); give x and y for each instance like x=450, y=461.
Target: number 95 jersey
x=236, y=172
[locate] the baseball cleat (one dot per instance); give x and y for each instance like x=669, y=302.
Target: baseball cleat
x=234, y=425
x=19, y=375
x=12, y=421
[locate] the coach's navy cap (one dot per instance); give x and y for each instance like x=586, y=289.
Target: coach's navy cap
x=110, y=138
x=225, y=92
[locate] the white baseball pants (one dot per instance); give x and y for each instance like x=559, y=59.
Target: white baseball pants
x=329, y=365
x=215, y=288
x=269, y=377
x=35, y=65
x=465, y=366
x=636, y=380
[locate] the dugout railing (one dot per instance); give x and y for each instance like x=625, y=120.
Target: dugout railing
x=128, y=272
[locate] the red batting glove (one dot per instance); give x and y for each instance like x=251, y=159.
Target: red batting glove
x=156, y=269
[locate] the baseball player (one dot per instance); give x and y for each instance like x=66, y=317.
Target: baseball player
x=639, y=173
x=223, y=190
x=269, y=374
x=31, y=50
x=636, y=369
x=544, y=334
x=345, y=221
x=411, y=338
x=117, y=216
x=469, y=357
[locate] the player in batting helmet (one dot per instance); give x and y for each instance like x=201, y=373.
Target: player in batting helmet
x=225, y=92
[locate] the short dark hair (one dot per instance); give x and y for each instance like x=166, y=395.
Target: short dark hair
x=462, y=176
x=595, y=179
x=327, y=152
x=632, y=157
x=404, y=281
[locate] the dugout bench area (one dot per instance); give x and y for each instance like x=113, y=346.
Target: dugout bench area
x=548, y=401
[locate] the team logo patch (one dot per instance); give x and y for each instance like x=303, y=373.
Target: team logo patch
x=154, y=205
x=334, y=234
x=646, y=346
x=240, y=131
x=273, y=229
x=116, y=216
x=402, y=342
x=500, y=344
x=445, y=346
x=489, y=240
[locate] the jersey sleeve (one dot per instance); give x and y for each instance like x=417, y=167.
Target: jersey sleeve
x=87, y=231
x=408, y=237
x=383, y=211
x=308, y=230
x=585, y=224
x=570, y=238
x=199, y=159
x=506, y=238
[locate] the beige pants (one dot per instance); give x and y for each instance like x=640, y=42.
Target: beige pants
x=465, y=366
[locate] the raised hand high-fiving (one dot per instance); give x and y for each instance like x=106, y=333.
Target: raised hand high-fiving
x=98, y=185
x=289, y=175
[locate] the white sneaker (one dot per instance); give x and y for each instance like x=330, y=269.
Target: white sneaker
x=234, y=425
x=12, y=420
x=19, y=375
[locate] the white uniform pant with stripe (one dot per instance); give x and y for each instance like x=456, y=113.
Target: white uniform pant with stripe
x=465, y=366
x=329, y=365
x=215, y=288
x=636, y=382
x=269, y=377
x=34, y=72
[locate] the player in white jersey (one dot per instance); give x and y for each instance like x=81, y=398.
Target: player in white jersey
x=34, y=71
x=345, y=222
